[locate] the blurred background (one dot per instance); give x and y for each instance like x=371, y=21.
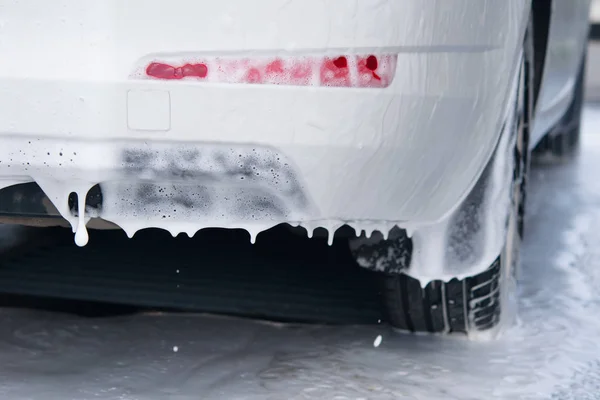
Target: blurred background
x=593, y=71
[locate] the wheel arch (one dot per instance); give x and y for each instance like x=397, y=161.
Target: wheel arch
x=541, y=12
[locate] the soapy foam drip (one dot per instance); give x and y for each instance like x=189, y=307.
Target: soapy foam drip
x=253, y=235
x=377, y=341
x=57, y=190
x=81, y=233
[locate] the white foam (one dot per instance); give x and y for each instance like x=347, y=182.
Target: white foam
x=430, y=260
x=377, y=341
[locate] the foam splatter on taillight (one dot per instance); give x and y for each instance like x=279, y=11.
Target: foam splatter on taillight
x=369, y=71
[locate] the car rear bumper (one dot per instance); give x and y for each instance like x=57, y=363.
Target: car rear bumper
x=73, y=113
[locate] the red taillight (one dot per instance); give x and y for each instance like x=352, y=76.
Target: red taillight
x=342, y=71
x=165, y=71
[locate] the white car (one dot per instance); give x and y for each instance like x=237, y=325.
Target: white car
x=410, y=121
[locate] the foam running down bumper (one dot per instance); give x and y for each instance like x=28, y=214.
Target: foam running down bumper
x=247, y=115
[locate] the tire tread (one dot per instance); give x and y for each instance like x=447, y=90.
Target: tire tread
x=471, y=303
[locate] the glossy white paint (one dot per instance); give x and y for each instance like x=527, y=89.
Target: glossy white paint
x=431, y=258
x=569, y=27
x=404, y=154
x=595, y=11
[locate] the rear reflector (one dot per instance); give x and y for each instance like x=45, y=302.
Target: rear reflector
x=369, y=71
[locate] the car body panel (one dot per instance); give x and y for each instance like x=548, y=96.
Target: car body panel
x=595, y=12
x=568, y=32
x=71, y=112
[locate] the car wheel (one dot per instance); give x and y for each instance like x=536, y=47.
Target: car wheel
x=475, y=303
x=562, y=141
